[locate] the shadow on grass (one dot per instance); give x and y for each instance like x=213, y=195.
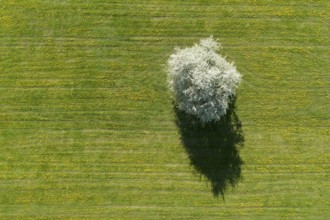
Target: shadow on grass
x=213, y=148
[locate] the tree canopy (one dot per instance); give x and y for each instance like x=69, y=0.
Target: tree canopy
x=202, y=81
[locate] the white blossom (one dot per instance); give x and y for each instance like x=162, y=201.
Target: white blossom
x=202, y=81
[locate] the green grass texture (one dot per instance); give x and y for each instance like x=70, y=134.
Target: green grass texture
x=88, y=129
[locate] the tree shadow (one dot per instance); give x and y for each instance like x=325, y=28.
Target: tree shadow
x=213, y=148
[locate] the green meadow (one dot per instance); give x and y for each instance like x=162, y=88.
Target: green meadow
x=87, y=126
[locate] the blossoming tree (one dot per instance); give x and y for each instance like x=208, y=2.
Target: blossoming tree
x=203, y=82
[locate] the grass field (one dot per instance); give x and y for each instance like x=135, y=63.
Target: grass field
x=87, y=128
